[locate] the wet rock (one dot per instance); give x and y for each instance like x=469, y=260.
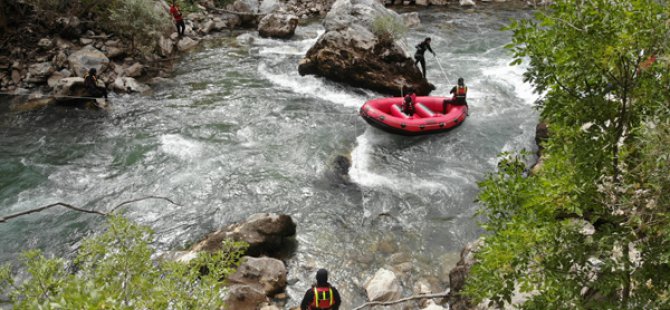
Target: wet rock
x=85, y=41
x=349, y=51
x=411, y=19
x=265, y=274
x=71, y=90
x=86, y=58
x=266, y=234
x=207, y=27
x=278, y=25
x=130, y=85
x=383, y=286
x=422, y=2
x=186, y=43
x=40, y=72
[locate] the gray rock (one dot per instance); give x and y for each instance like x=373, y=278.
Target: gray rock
x=130, y=85
x=45, y=43
x=244, y=297
x=135, y=70
x=422, y=2
x=266, y=274
x=115, y=52
x=186, y=43
x=351, y=53
x=266, y=234
x=59, y=60
x=166, y=46
x=86, y=58
x=277, y=25
x=85, y=41
x=467, y=3
x=268, y=6
x=383, y=286
x=40, y=72
x=439, y=2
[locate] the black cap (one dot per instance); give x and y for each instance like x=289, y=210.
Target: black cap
x=92, y=71
x=321, y=277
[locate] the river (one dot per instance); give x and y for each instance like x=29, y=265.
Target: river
x=237, y=131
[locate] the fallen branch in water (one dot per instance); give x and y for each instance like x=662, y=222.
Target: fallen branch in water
x=393, y=302
x=71, y=207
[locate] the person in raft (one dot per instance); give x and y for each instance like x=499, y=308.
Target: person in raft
x=408, y=102
x=91, y=84
x=322, y=295
x=178, y=19
x=420, y=50
x=460, y=92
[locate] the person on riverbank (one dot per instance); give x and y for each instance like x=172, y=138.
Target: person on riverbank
x=460, y=92
x=178, y=19
x=91, y=84
x=419, y=55
x=409, y=101
x=321, y=295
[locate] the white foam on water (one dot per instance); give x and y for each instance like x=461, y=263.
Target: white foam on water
x=362, y=171
x=179, y=146
x=511, y=76
x=312, y=86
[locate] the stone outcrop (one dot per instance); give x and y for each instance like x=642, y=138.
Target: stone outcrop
x=87, y=58
x=383, y=286
x=277, y=25
x=267, y=234
x=264, y=274
x=349, y=51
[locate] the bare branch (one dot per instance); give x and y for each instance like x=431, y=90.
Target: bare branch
x=393, y=302
x=40, y=209
x=62, y=204
x=143, y=198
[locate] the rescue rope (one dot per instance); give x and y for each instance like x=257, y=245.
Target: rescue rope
x=443, y=72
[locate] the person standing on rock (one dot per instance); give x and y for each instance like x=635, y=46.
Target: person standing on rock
x=178, y=19
x=322, y=295
x=420, y=50
x=91, y=84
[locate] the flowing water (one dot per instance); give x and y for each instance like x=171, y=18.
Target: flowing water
x=237, y=131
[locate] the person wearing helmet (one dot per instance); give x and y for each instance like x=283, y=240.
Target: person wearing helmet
x=460, y=92
x=420, y=50
x=321, y=295
x=91, y=84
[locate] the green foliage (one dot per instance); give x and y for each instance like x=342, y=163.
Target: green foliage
x=388, y=27
x=591, y=229
x=115, y=271
x=139, y=20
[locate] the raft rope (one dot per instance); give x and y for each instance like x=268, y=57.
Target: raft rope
x=443, y=72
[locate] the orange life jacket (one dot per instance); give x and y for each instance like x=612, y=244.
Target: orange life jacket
x=461, y=92
x=323, y=298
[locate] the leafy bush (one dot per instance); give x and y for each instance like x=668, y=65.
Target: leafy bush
x=115, y=271
x=387, y=27
x=137, y=20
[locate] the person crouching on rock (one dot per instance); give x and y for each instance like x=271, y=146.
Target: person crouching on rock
x=91, y=84
x=322, y=295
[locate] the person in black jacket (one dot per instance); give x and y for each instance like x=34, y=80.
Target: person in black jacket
x=91, y=84
x=322, y=295
x=420, y=50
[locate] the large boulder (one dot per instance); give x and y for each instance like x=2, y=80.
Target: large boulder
x=383, y=286
x=350, y=51
x=266, y=234
x=265, y=274
x=39, y=72
x=244, y=297
x=277, y=25
x=186, y=43
x=86, y=58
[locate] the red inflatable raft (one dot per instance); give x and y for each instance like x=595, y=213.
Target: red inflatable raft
x=386, y=114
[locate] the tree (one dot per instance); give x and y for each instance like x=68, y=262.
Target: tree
x=115, y=270
x=590, y=230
